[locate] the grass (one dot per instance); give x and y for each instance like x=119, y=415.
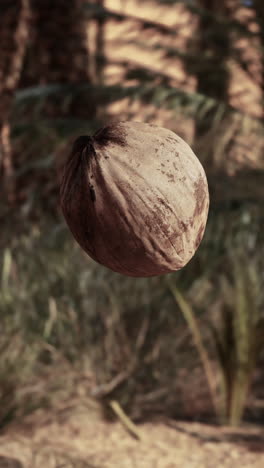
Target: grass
x=189, y=316
x=62, y=314
x=236, y=338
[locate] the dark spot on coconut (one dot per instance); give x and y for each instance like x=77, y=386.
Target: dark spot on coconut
x=165, y=228
x=172, y=139
x=200, y=196
x=92, y=193
x=170, y=177
x=166, y=204
x=80, y=143
x=111, y=134
x=199, y=236
x=149, y=223
x=183, y=226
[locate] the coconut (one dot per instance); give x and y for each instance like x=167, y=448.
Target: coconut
x=135, y=198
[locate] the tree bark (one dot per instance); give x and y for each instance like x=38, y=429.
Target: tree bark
x=14, y=25
x=58, y=53
x=59, y=50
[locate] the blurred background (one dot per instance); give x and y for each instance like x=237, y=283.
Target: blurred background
x=188, y=345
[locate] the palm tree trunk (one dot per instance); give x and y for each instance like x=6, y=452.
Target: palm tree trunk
x=59, y=52
x=14, y=26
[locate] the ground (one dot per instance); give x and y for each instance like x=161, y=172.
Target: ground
x=77, y=436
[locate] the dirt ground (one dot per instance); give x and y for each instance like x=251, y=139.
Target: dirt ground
x=78, y=437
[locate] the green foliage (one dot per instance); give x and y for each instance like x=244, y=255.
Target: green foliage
x=238, y=339
x=193, y=325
